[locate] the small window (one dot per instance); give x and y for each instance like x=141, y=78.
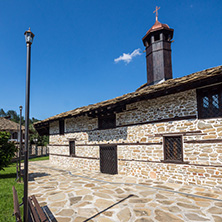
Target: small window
x=72, y=151
x=15, y=136
x=156, y=37
x=173, y=149
x=107, y=122
x=209, y=102
x=61, y=127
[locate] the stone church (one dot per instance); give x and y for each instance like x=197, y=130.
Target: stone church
x=168, y=129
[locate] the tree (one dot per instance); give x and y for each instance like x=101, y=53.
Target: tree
x=34, y=136
x=2, y=113
x=7, y=150
x=14, y=116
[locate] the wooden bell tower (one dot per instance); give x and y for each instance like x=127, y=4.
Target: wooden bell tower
x=158, y=52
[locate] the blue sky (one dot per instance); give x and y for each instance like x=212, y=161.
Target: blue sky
x=76, y=42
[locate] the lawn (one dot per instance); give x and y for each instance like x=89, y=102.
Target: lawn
x=7, y=180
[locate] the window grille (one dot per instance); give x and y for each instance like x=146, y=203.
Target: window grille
x=209, y=102
x=72, y=151
x=106, y=122
x=173, y=149
x=61, y=127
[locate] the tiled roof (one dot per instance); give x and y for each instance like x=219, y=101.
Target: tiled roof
x=8, y=125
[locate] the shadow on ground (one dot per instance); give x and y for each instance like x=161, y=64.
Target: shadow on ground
x=32, y=176
x=9, y=175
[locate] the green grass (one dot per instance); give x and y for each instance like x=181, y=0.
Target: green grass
x=7, y=180
x=39, y=158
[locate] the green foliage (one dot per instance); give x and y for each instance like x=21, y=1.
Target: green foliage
x=7, y=180
x=7, y=150
x=33, y=136
x=2, y=113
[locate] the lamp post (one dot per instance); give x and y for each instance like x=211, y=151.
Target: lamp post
x=29, y=39
x=20, y=143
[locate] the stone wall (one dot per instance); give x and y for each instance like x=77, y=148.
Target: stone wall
x=140, y=147
x=181, y=104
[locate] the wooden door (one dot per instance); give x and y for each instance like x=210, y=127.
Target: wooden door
x=108, y=159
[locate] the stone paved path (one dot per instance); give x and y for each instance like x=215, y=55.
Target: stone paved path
x=74, y=195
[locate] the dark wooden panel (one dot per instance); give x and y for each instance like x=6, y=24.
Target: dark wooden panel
x=108, y=159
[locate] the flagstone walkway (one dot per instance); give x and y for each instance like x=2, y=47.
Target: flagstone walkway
x=74, y=196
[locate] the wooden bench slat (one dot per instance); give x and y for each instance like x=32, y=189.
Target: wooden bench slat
x=39, y=209
x=16, y=205
x=33, y=212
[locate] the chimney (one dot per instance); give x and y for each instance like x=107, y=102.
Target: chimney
x=158, y=52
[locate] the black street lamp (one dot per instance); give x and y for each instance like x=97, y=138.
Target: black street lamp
x=20, y=143
x=29, y=39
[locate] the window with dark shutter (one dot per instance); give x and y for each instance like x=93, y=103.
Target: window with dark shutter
x=15, y=135
x=72, y=151
x=209, y=102
x=106, y=122
x=173, y=149
x=61, y=127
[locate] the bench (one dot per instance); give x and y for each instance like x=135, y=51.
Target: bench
x=16, y=205
x=36, y=213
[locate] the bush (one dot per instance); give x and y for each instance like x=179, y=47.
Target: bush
x=7, y=150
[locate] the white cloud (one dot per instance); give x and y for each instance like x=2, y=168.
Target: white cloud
x=127, y=58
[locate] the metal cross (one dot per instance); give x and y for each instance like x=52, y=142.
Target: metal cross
x=156, y=11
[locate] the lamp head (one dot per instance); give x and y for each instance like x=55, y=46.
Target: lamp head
x=29, y=36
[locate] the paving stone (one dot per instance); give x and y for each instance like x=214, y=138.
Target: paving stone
x=166, y=202
x=142, y=212
x=124, y=215
x=139, y=205
x=167, y=206
x=65, y=212
x=196, y=217
x=74, y=200
x=166, y=216
x=147, y=193
x=83, y=192
x=215, y=210
x=81, y=219
x=217, y=219
x=143, y=219
x=160, y=196
x=102, y=195
x=104, y=220
x=42, y=204
x=87, y=212
x=88, y=197
x=101, y=203
x=83, y=204
x=57, y=197
x=119, y=190
x=190, y=206
x=58, y=204
x=207, y=194
x=89, y=185
x=108, y=213
x=219, y=204
x=63, y=219
x=165, y=187
x=202, y=204
x=108, y=192
x=174, y=209
x=139, y=200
